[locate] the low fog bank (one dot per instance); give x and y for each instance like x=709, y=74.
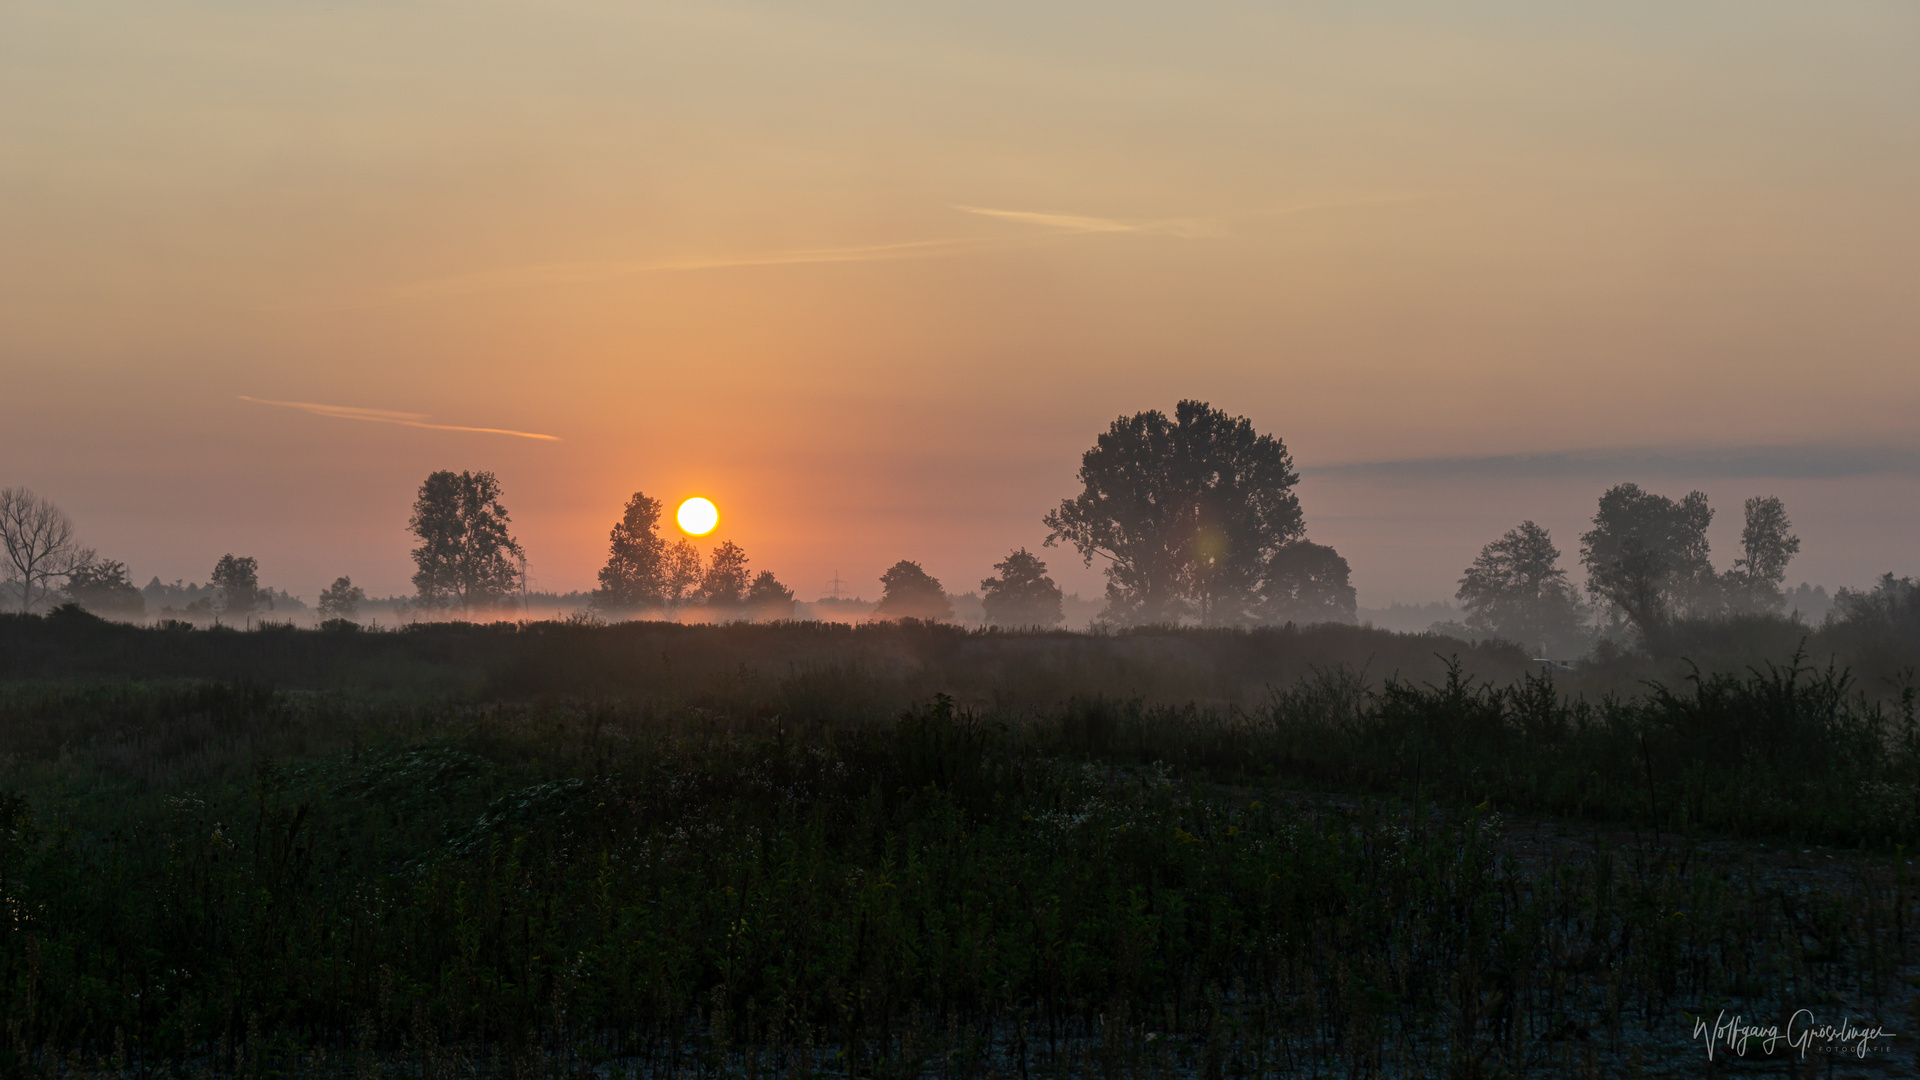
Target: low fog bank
x=877, y=665
x=889, y=665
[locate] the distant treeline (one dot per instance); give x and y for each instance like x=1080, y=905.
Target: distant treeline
x=1193, y=517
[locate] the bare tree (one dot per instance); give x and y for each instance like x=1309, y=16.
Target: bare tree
x=40, y=544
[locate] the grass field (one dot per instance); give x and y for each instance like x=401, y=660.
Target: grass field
x=903, y=851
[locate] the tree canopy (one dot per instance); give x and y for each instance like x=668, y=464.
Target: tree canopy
x=635, y=576
x=684, y=571
x=1767, y=545
x=1307, y=582
x=342, y=599
x=1190, y=512
x=768, y=599
x=466, y=556
x=238, y=580
x=724, y=584
x=1021, y=594
x=1517, y=591
x=1647, y=556
x=105, y=588
x=908, y=592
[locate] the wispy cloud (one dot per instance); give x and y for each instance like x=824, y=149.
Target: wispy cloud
x=388, y=416
x=1796, y=462
x=1049, y=224
x=1058, y=222
x=574, y=273
x=1079, y=223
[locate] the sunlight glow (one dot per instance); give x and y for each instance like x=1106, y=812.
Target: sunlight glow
x=698, y=516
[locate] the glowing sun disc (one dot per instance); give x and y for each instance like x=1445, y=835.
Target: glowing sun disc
x=698, y=516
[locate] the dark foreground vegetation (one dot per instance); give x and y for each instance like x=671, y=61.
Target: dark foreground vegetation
x=683, y=868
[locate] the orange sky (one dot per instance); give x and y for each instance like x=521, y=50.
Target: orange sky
x=873, y=275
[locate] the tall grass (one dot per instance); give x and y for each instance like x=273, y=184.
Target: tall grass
x=1787, y=750
x=210, y=878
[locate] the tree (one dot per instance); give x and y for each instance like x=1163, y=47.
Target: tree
x=909, y=592
x=466, y=556
x=724, y=585
x=238, y=580
x=40, y=544
x=1517, y=591
x=104, y=588
x=1023, y=594
x=684, y=571
x=1892, y=604
x=1188, y=511
x=1766, y=547
x=342, y=599
x=1647, y=556
x=1307, y=582
x=636, y=572
x=768, y=599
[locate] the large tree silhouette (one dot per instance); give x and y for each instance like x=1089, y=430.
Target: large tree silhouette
x=1189, y=511
x=466, y=556
x=636, y=572
x=1647, y=556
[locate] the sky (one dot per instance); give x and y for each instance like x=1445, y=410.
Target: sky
x=872, y=276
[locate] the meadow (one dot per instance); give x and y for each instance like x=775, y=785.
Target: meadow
x=905, y=850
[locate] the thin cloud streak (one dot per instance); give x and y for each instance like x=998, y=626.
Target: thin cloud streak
x=1059, y=224
x=578, y=273
x=388, y=416
x=1051, y=224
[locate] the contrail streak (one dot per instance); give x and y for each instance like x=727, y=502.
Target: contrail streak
x=388, y=416
x=1049, y=225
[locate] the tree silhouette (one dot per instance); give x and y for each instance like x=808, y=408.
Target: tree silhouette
x=1307, y=582
x=636, y=572
x=342, y=599
x=1022, y=594
x=724, y=585
x=909, y=592
x=1767, y=545
x=1517, y=591
x=1188, y=511
x=40, y=544
x=1647, y=556
x=104, y=588
x=684, y=571
x=768, y=599
x=466, y=555
x=238, y=580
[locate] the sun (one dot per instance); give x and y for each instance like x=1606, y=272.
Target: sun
x=698, y=516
